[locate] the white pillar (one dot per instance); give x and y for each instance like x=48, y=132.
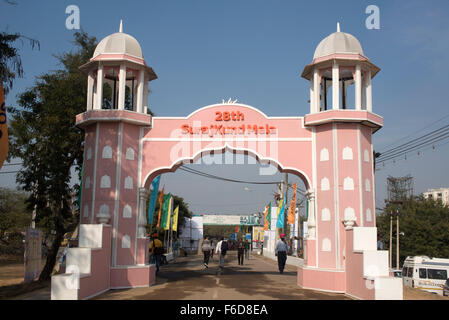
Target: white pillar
x=312, y=96
x=99, y=95
x=122, y=87
x=145, y=95
x=90, y=90
x=311, y=221
x=358, y=87
x=141, y=217
x=369, y=93
x=335, y=87
x=364, y=92
x=316, y=91
x=140, y=86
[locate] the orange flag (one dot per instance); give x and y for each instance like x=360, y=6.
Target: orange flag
x=237, y=229
x=267, y=217
x=291, y=211
x=4, y=146
x=161, y=200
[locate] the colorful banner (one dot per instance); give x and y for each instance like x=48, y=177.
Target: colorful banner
x=168, y=212
x=267, y=215
x=291, y=210
x=4, y=145
x=153, y=198
x=281, y=214
x=237, y=229
x=161, y=200
x=175, y=219
x=165, y=209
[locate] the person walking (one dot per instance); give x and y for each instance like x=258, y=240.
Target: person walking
x=156, y=251
x=247, y=247
x=281, y=252
x=206, y=251
x=221, y=249
x=212, y=247
x=240, y=252
x=175, y=249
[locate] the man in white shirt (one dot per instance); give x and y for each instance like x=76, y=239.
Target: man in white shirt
x=221, y=249
x=281, y=252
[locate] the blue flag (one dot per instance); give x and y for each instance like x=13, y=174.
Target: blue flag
x=280, y=222
x=153, y=199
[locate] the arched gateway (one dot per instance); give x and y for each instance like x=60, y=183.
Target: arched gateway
x=330, y=149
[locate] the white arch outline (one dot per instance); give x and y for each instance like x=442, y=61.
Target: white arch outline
x=178, y=163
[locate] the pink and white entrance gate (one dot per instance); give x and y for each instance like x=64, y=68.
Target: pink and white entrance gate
x=330, y=150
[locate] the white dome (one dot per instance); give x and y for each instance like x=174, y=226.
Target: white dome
x=119, y=43
x=338, y=42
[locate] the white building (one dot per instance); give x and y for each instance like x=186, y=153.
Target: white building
x=441, y=194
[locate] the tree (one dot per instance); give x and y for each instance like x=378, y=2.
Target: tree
x=10, y=62
x=423, y=224
x=43, y=134
x=184, y=212
x=14, y=215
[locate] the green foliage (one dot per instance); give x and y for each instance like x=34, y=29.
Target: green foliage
x=425, y=224
x=184, y=212
x=43, y=134
x=10, y=62
x=14, y=215
x=14, y=219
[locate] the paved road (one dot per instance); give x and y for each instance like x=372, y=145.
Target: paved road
x=257, y=279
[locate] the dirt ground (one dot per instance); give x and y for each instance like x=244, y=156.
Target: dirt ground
x=11, y=270
x=11, y=276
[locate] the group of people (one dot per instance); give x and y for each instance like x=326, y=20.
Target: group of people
x=209, y=248
x=243, y=249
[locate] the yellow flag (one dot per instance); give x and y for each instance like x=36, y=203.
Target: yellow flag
x=169, y=214
x=4, y=145
x=175, y=219
x=291, y=211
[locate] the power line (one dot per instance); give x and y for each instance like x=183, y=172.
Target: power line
x=428, y=126
x=415, y=147
x=211, y=176
x=427, y=136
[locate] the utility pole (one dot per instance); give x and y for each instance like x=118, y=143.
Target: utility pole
x=391, y=239
x=285, y=204
x=397, y=239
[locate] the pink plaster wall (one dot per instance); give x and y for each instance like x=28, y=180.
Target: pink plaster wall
x=321, y=279
x=174, y=143
x=98, y=280
x=356, y=285
x=347, y=137
x=132, y=277
x=367, y=173
x=129, y=168
x=88, y=171
x=325, y=199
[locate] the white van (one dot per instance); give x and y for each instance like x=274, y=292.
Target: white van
x=425, y=273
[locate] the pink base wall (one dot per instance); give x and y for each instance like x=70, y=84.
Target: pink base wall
x=356, y=285
x=133, y=277
x=317, y=279
x=98, y=280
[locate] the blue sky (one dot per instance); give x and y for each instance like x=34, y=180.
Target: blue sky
x=254, y=51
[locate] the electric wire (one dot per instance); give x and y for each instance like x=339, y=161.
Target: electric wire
x=427, y=136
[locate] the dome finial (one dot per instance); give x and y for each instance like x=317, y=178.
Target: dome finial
x=338, y=26
x=121, y=26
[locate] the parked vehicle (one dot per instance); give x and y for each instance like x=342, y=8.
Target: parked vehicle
x=422, y=272
x=446, y=288
x=397, y=273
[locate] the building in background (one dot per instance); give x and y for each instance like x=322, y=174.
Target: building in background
x=441, y=194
